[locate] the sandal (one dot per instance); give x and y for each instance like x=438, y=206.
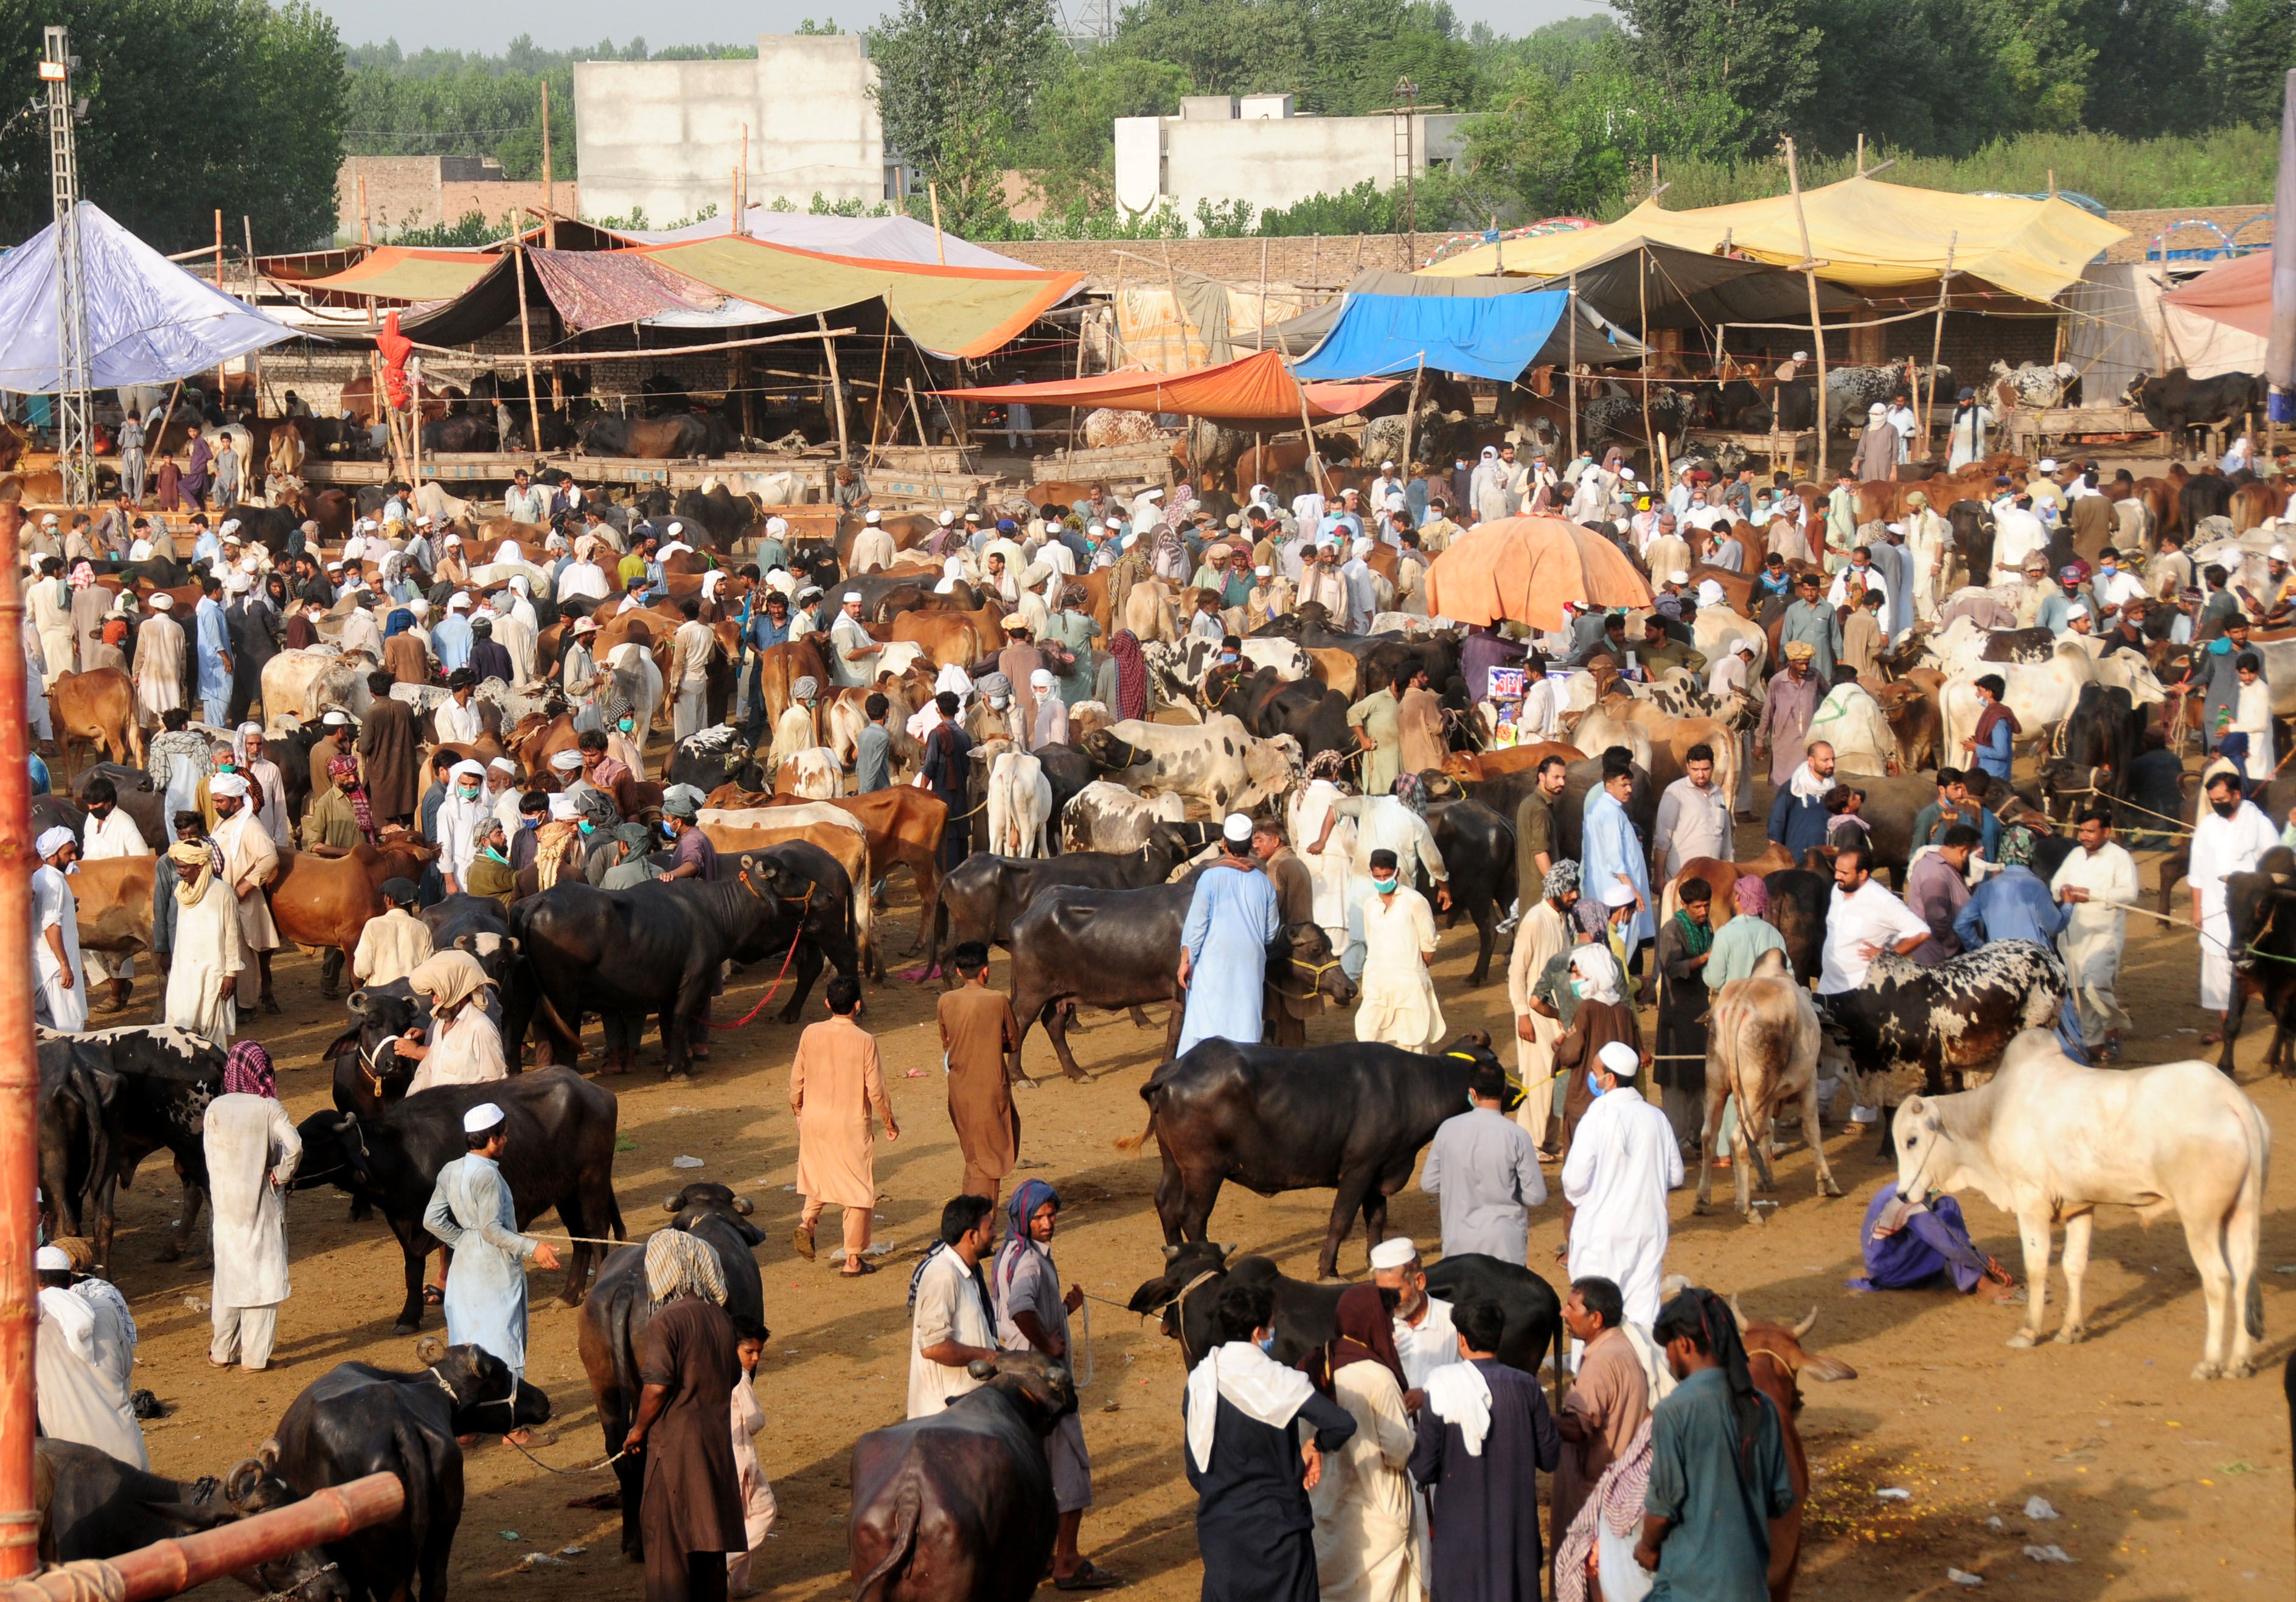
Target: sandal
x=434, y=1296
x=1089, y=1576
x=866, y=1268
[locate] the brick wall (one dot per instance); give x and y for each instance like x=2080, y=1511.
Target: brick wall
x=422, y=191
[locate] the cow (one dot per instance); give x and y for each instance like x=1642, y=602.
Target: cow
x=1956, y=1017
x=1352, y=1116
x=1221, y=763
x=356, y=1420
x=957, y=1505
x=1121, y=949
x=1775, y=1361
x=903, y=825
x=1850, y=390
x=562, y=1132
x=2031, y=387
x=1852, y=721
x=325, y=897
x=1019, y=805
x=958, y=639
x=114, y=904
x=369, y=1074
x=616, y=1313
x=649, y=438
x=93, y=1507
x=1478, y=850
x=1108, y=817
x=1762, y=1040
x=2177, y=404
x=985, y=892
x=811, y=775
x=723, y=516
x=95, y=708
x=814, y=823
x=2089, y=760
x=2049, y=1141
x=1798, y=899
x=2042, y=694
x=108, y=1099
x=712, y=757
x=1185, y=1298
x=2254, y=905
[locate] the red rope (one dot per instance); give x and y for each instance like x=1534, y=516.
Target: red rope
x=751, y=1015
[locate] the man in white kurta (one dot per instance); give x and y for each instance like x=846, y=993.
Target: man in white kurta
x=2097, y=883
x=459, y=815
x=1424, y=1339
x=250, y=859
x=49, y=603
x=2228, y=837
x=954, y=1321
x=471, y=1214
x=465, y=1046
x=693, y=649
x=253, y=1152
x=61, y=999
x=209, y=956
x=263, y=779
x=1623, y=1161
x=158, y=661
x=82, y=1395
x=395, y=944
x=1329, y=869
x=1398, y=1004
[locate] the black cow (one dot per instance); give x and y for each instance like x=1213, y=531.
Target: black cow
x=1269, y=705
x=1799, y=897
x=1477, y=848
x=2182, y=406
x=723, y=515
x=1611, y=419
x=461, y=432
x=369, y=1073
x=957, y=1505
x=1972, y=522
x=615, y=1316
x=92, y=1505
x=270, y=526
x=356, y=1420
x=716, y=755
x=981, y=896
x=1121, y=948
x=2261, y=906
x=2089, y=763
x=1734, y=404
x=1187, y=1298
x=111, y=1099
x=561, y=1131
x=1351, y=1117
x=1067, y=771
x=2206, y=494
x=611, y=436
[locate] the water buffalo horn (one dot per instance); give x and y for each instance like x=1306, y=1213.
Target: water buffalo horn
x=1806, y=1324
x=357, y=1003
x=669, y=1204
x=428, y=1350
x=1737, y=1314
x=745, y=1207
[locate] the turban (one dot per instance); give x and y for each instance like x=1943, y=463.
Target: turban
x=995, y=683
x=806, y=688
x=678, y=1264
x=1752, y=896
x=53, y=840
x=228, y=784
x=566, y=762
x=1562, y=878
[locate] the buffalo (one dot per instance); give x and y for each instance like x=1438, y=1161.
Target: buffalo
x=111, y=1099
x=1477, y=848
x=981, y=896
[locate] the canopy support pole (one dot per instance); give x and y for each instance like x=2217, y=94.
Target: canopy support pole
x=1410, y=414
x=1937, y=339
x=837, y=383
x=526, y=344
x=1570, y=379
x=1315, y=460
x=1642, y=295
x=1817, y=330
x=19, y=1078
x=877, y=419
x=932, y=468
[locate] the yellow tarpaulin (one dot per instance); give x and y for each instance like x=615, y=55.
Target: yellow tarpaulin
x=1870, y=235
x=949, y=311
x=397, y=273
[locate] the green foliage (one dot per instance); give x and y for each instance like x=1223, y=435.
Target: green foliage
x=1067, y=146
x=194, y=106
x=637, y=220
x=476, y=228
x=2254, y=46
x=1758, y=56
x=955, y=79
x=1341, y=58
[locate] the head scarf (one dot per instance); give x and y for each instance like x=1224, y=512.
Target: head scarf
x=1032, y=1195
x=1599, y=968
x=679, y=1264
x=344, y=770
x=400, y=620
x=1366, y=1333
x=190, y=854
x=1752, y=896
x=1131, y=675
x=449, y=978
x=1411, y=792
x=2017, y=848
x=1562, y=878
x=246, y=1071
x=1329, y=764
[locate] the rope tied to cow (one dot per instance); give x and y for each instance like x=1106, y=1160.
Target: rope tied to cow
x=787, y=957
x=1316, y=970
x=296, y=1590
x=580, y=1468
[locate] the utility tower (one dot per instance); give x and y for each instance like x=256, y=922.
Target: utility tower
x=75, y=437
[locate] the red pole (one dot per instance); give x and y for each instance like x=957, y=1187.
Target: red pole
x=19, y=1078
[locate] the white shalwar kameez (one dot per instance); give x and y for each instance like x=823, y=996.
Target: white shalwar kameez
x=2094, y=933
x=1330, y=869
x=208, y=950
x=253, y=1152
x=2221, y=846
x=468, y=1049
x=159, y=667
x=1399, y=1003
x=56, y=1004
x=1623, y=1161
x=1364, y=1549
x=80, y=1397
x=471, y=1214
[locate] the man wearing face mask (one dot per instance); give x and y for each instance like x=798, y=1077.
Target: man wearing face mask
x=2229, y=836
x=1424, y=1339
x=1623, y=1161
x=1483, y=1169
x=459, y=816
x=1399, y=1003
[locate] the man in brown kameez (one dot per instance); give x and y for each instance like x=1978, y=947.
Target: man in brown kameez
x=1421, y=719
x=834, y=1084
x=977, y=1031
x=1609, y=1398
x=387, y=753
x=691, y=1515
x=1295, y=905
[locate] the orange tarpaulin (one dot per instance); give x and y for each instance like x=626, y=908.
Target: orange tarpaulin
x=1259, y=389
x=2239, y=292
x=1522, y=570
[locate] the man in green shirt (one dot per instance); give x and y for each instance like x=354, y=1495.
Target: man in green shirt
x=1377, y=720
x=1534, y=833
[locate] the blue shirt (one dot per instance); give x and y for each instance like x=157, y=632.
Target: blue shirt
x=2012, y=905
x=450, y=641
x=1798, y=824
x=1608, y=848
x=1231, y=919
x=1994, y=754
x=213, y=636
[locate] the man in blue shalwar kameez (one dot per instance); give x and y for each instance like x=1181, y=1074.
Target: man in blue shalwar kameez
x=1224, y=942
x=1908, y=1247
x=471, y=1214
x=1610, y=848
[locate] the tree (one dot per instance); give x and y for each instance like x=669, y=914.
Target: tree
x=2255, y=46
x=1069, y=146
x=954, y=79
x=1760, y=55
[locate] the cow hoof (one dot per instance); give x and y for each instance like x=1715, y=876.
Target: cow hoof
x=2205, y=1369
x=2241, y=1370
x=2022, y=1340
x=1699, y=1209
x=2072, y=1335
x=403, y=1328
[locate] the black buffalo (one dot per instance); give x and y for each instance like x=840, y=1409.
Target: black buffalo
x=111, y=1099
x=1799, y=898
x=1972, y=522
x=461, y=432
x=2181, y=407
x=716, y=755
x=2206, y=494
x=957, y=1505
x=1121, y=948
x=2089, y=763
x=1268, y=704
x=561, y=1131
x=723, y=517
x=2261, y=905
x=356, y=1420
x=615, y=1316
x=369, y=1074
x=1352, y=1116
x=1477, y=848
x=981, y=896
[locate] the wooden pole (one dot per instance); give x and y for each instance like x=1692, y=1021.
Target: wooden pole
x=549, y=188
x=1262, y=344
x=1937, y=345
x=255, y=357
x=1642, y=295
x=877, y=418
x=932, y=191
x=837, y=384
x=414, y=434
x=526, y=344
x=365, y=237
x=1816, y=329
x=1315, y=459
x=218, y=247
x=1116, y=318
x=1570, y=379
x=1179, y=317
x=932, y=468
x=1410, y=414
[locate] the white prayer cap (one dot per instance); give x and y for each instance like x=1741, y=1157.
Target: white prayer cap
x=504, y=764
x=1621, y=1059
x=161, y=601
x=336, y=719
x=776, y=527
x=1362, y=547
x=2278, y=553
x=224, y=784
x=1801, y=355
x=466, y=768
x=459, y=601
x=1397, y=1251
x=482, y=1117
x=1131, y=540
x=947, y=518
x=2077, y=609
x=52, y=1259
x=2048, y=464
x=1262, y=572
x=1628, y=474
x=424, y=520
x=238, y=583
x=1236, y=827
x=1710, y=592
x=1680, y=575
x=256, y=729
x=1618, y=895
x=454, y=539
x=1100, y=529
x=419, y=607
x=1385, y=465
x=566, y=762
x=852, y=597
x=677, y=531
x=1041, y=679
x=872, y=517
x=230, y=526
x=1153, y=495
x=53, y=840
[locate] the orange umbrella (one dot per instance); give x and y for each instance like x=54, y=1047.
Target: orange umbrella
x=1522, y=570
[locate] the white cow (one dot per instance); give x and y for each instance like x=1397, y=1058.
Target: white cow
x=1179, y=669
x=1598, y=732
x=1107, y=817
x=1220, y=763
x=1019, y=806
x=2050, y=1139
x=303, y=684
x=1715, y=627
x=813, y=773
x=2042, y=694
x=1851, y=721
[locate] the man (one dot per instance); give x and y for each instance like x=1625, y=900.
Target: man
x=195, y=925
x=393, y=945
x=1419, y=722
x=1398, y=1004
x=1810, y=621
x=873, y=750
x=978, y=1032
x=1694, y=816
x=1295, y=887
x=850, y=647
x=1377, y=721
x=1862, y=920
x=1718, y=1471
x=387, y=749
x=249, y=617
x=835, y=1084
x=1623, y=1160
x=1610, y=853
x=213, y=650
x=249, y=861
x=79, y=1377
x=1252, y=1472
x=2097, y=883
x=1534, y=831
x=1608, y=1400
x=1685, y=944
x=1483, y=1169
x=59, y=1000
x=1424, y=1339
x=267, y=782
x=850, y=493
x=109, y=832
x=1954, y=804
x=1544, y=934
x=1232, y=916
x=693, y=649
x=1910, y=1246
x=253, y=1152
x=158, y=664
x=2014, y=903
x=2228, y=837
x=1790, y=706
x=1798, y=819
x=1483, y=1435
x=524, y=501
x=691, y=1513
x=953, y=1322
x=473, y=1215
x=696, y=857
x=1937, y=888
x=462, y=810
x=488, y=660
x=199, y=458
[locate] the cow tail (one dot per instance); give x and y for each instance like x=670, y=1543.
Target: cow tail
x=2247, y=1217
x=1135, y=1143
x=906, y=1506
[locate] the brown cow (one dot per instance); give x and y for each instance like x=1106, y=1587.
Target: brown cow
x=1776, y=1359
x=905, y=825
x=1473, y=767
x=537, y=739
x=324, y=897
x=779, y=666
x=1911, y=706
x=1334, y=669
x=959, y=639
x=1719, y=876
x=1762, y=1043
x=2253, y=503
x=93, y=708
x=114, y=896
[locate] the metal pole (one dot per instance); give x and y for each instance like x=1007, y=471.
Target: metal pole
x=1816, y=329
x=20, y=1075
x=75, y=430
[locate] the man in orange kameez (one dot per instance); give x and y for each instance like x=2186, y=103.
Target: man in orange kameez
x=834, y=1084
x=977, y=1030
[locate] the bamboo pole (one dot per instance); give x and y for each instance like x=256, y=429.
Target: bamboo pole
x=932, y=468
x=1410, y=414
x=218, y=248
x=549, y=188
x=836, y=386
x=1315, y=460
x=1937, y=346
x=1262, y=344
x=255, y=357
x=933, y=190
x=19, y=1078
x=1816, y=329
x=1642, y=295
x=877, y=417
x=414, y=434
x=545, y=359
x=526, y=344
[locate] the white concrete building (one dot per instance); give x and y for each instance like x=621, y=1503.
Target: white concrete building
x=666, y=137
x=1259, y=149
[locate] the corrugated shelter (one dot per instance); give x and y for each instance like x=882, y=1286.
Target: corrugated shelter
x=1869, y=235
x=1483, y=336
x=1259, y=389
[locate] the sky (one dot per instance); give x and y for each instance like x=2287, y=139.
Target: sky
x=488, y=25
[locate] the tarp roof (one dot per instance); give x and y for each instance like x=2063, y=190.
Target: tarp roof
x=948, y=311
x=1685, y=288
x=1868, y=234
x=2238, y=291
x=1600, y=341
x=1258, y=388
x=149, y=321
x=1481, y=336
x=401, y=272
x=873, y=238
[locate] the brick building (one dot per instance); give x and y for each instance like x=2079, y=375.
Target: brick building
x=425, y=192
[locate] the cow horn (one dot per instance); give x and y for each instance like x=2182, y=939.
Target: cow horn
x=511, y=942
x=669, y=1204
x=1171, y=1253
x=1806, y=1324
x=245, y=1478
x=268, y=1452
x=356, y=1005
x=428, y=1350
x=744, y=1205
x=465, y=943
x=981, y=1369
x=1737, y=1313
x=1230, y=1249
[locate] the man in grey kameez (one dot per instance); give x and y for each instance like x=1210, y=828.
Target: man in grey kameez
x=1483, y=1168
x=471, y=1214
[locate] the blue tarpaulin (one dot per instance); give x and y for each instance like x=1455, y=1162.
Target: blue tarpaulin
x=1492, y=336
x=149, y=321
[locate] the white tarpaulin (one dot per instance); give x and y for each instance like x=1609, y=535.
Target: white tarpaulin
x=149, y=321
x=2119, y=329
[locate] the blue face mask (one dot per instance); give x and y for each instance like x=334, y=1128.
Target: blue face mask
x=531, y=821
x=2220, y=647
x=668, y=833
x=586, y=826
x=1593, y=1082
x=1268, y=1345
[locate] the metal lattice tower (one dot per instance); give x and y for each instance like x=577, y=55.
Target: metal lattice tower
x=1084, y=24
x=75, y=437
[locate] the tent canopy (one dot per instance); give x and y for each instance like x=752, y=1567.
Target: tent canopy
x=1259, y=389
x=400, y=273
x=1868, y=234
x=149, y=321
x=870, y=237
x=1601, y=341
x=1684, y=289
x=1482, y=336
x=2238, y=291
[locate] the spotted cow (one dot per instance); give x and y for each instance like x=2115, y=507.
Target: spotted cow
x=108, y=1099
x=1954, y=1018
x=1219, y=761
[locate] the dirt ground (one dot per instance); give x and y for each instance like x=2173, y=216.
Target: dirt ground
x=2165, y=1487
